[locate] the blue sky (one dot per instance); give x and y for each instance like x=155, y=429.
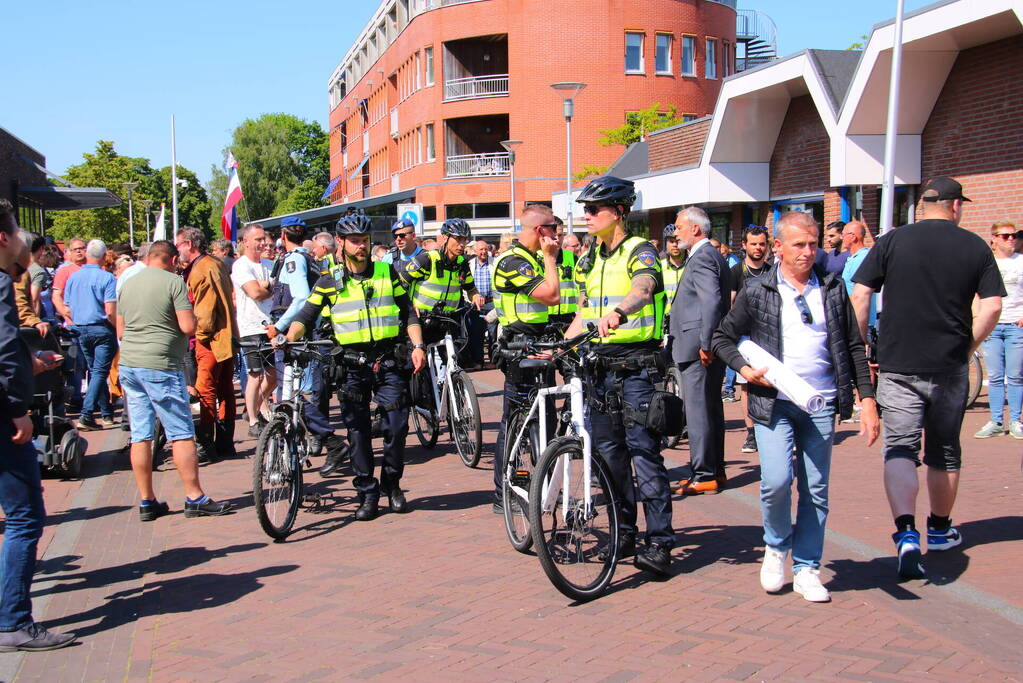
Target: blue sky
x=75, y=73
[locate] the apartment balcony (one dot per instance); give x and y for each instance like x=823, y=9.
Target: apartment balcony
x=475, y=87
x=476, y=68
x=477, y=165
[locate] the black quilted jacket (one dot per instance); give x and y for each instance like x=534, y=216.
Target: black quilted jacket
x=756, y=313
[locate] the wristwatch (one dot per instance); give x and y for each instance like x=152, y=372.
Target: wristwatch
x=419, y=346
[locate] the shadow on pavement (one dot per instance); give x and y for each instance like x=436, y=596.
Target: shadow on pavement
x=185, y=594
x=878, y=573
x=701, y=546
x=462, y=500
x=79, y=514
x=169, y=561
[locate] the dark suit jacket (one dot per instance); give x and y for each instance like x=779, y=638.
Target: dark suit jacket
x=702, y=300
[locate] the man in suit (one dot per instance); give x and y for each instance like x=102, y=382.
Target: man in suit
x=701, y=301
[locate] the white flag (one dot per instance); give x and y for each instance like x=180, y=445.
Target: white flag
x=160, y=231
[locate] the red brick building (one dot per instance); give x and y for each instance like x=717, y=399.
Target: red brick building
x=421, y=102
x=807, y=131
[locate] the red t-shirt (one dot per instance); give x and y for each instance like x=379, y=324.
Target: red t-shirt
x=62, y=274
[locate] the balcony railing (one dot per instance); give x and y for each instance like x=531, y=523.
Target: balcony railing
x=473, y=165
x=730, y=3
x=494, y=85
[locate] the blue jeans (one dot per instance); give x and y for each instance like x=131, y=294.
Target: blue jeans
x=729, y=380
x=99, y=343
x=1003, y=354
x=21, y=497
x=813, y=434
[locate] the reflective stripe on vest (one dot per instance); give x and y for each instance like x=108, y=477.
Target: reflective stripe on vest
x=672, y=276
x=358, y=318
x=515, y=306
x=438, y=287
x=607, y=285
x=569, y=293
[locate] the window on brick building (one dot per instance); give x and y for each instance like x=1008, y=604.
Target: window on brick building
x=662, y=63
x=429, y=213
x=428, y=52
x=688, y=55
x=633, y=53
x=711, y=59
x=726, y=59
x=431, y=148
x=689, y=117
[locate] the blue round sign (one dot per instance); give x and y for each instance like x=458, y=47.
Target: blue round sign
x=411, y=217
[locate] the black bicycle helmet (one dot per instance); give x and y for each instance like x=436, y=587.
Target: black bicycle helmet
x=353, y=224
x=609, y=189
x=456, y=227
x=669, y=231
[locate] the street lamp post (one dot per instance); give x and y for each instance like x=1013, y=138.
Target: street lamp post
x=569, y=92
x=510, y=145
x=130, y=187
x=147, y=204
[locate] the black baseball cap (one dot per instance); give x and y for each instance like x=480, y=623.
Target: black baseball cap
x=942, y=188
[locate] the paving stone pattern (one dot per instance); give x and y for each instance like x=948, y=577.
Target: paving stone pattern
x=439, y=594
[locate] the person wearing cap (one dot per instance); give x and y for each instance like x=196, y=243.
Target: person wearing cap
x=294, y=275
x=406, y=246
x=930, y=272
x=371, y=316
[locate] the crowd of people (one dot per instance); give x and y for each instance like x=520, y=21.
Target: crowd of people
x=167, y=329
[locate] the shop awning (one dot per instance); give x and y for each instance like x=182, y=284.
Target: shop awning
x=68, y=198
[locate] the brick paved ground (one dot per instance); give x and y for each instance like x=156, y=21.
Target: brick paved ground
x=439, y=593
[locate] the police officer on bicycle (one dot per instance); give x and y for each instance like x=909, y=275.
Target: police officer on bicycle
x=371, y=314
x=438, y=277
x=625, y=300
x=527, y=283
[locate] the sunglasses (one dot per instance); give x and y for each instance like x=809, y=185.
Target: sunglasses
x=804, y=310
x=1008, y=235
x=549, y=226
x=594, y=209
x=403, y=235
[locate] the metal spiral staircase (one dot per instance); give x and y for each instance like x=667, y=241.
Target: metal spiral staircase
x=757, y=35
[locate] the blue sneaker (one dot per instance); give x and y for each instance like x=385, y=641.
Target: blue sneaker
x=943, y=540
x=907, y=543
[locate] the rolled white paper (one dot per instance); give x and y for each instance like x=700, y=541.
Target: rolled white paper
x=783, y=378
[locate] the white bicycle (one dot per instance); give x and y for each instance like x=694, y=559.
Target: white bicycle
x=445, y=392
x=562, y=498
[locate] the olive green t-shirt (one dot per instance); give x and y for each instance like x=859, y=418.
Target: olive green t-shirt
x=149, y=303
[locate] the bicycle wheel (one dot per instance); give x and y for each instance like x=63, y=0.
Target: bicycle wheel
x=424, y=414
x=522, y=463
x=673, y=384
x=578, y=549
x=276, y=478
x=976, y=371
x=467, y=431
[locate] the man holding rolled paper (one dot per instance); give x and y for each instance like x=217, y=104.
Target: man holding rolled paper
x=802, y=360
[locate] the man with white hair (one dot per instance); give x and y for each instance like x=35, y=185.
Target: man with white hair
x=91, y=296
x=701, y=300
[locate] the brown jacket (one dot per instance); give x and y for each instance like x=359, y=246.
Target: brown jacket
x=209, y=288
x=23, y=298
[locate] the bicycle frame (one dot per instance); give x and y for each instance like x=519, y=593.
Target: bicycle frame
x=441, y=373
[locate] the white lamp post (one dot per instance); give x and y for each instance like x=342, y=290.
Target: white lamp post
x=147, y=205
x=510, y=145
x=569, y=91
x=129, y=188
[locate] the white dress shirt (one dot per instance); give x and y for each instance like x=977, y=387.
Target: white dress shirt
x=805, y=346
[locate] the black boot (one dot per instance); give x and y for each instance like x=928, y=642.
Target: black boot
x=335, y=458
x=204, y=445
x=368, y=510
x=223, y=439
x=396, y=500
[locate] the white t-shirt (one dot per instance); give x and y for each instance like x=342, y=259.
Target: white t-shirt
x=805, y=344
x=253, y=316
x=1012, y=277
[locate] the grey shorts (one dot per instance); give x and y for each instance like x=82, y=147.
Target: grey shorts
x=929, y=406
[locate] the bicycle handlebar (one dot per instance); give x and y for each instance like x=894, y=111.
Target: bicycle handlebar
x=566, y=344
x=338, y=353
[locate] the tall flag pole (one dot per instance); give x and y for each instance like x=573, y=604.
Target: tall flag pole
x=229, y=218
x=892, y=131
x=174, y=178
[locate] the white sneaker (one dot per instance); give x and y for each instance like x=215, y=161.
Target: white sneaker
x=807, y=582
x=772, y=570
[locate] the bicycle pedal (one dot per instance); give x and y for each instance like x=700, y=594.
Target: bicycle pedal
x=307, y=463
x=313, y=499
x=520, y=479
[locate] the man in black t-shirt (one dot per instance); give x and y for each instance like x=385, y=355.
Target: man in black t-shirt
x=754, y=244
x=931, y=271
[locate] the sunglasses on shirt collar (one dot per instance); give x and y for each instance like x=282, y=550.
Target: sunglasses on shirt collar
x=804, y=310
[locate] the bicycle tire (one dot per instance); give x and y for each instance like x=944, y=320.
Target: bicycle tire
x=976, y=379
x=673, y=385
x=276, y=472
x=468, y=433
x=427, y=428
x=564, y=548
x=516, y=508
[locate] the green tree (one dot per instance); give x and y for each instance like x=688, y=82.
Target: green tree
x=283, y=166
x=639, y=124
x=859, y=45
x=106, y=168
